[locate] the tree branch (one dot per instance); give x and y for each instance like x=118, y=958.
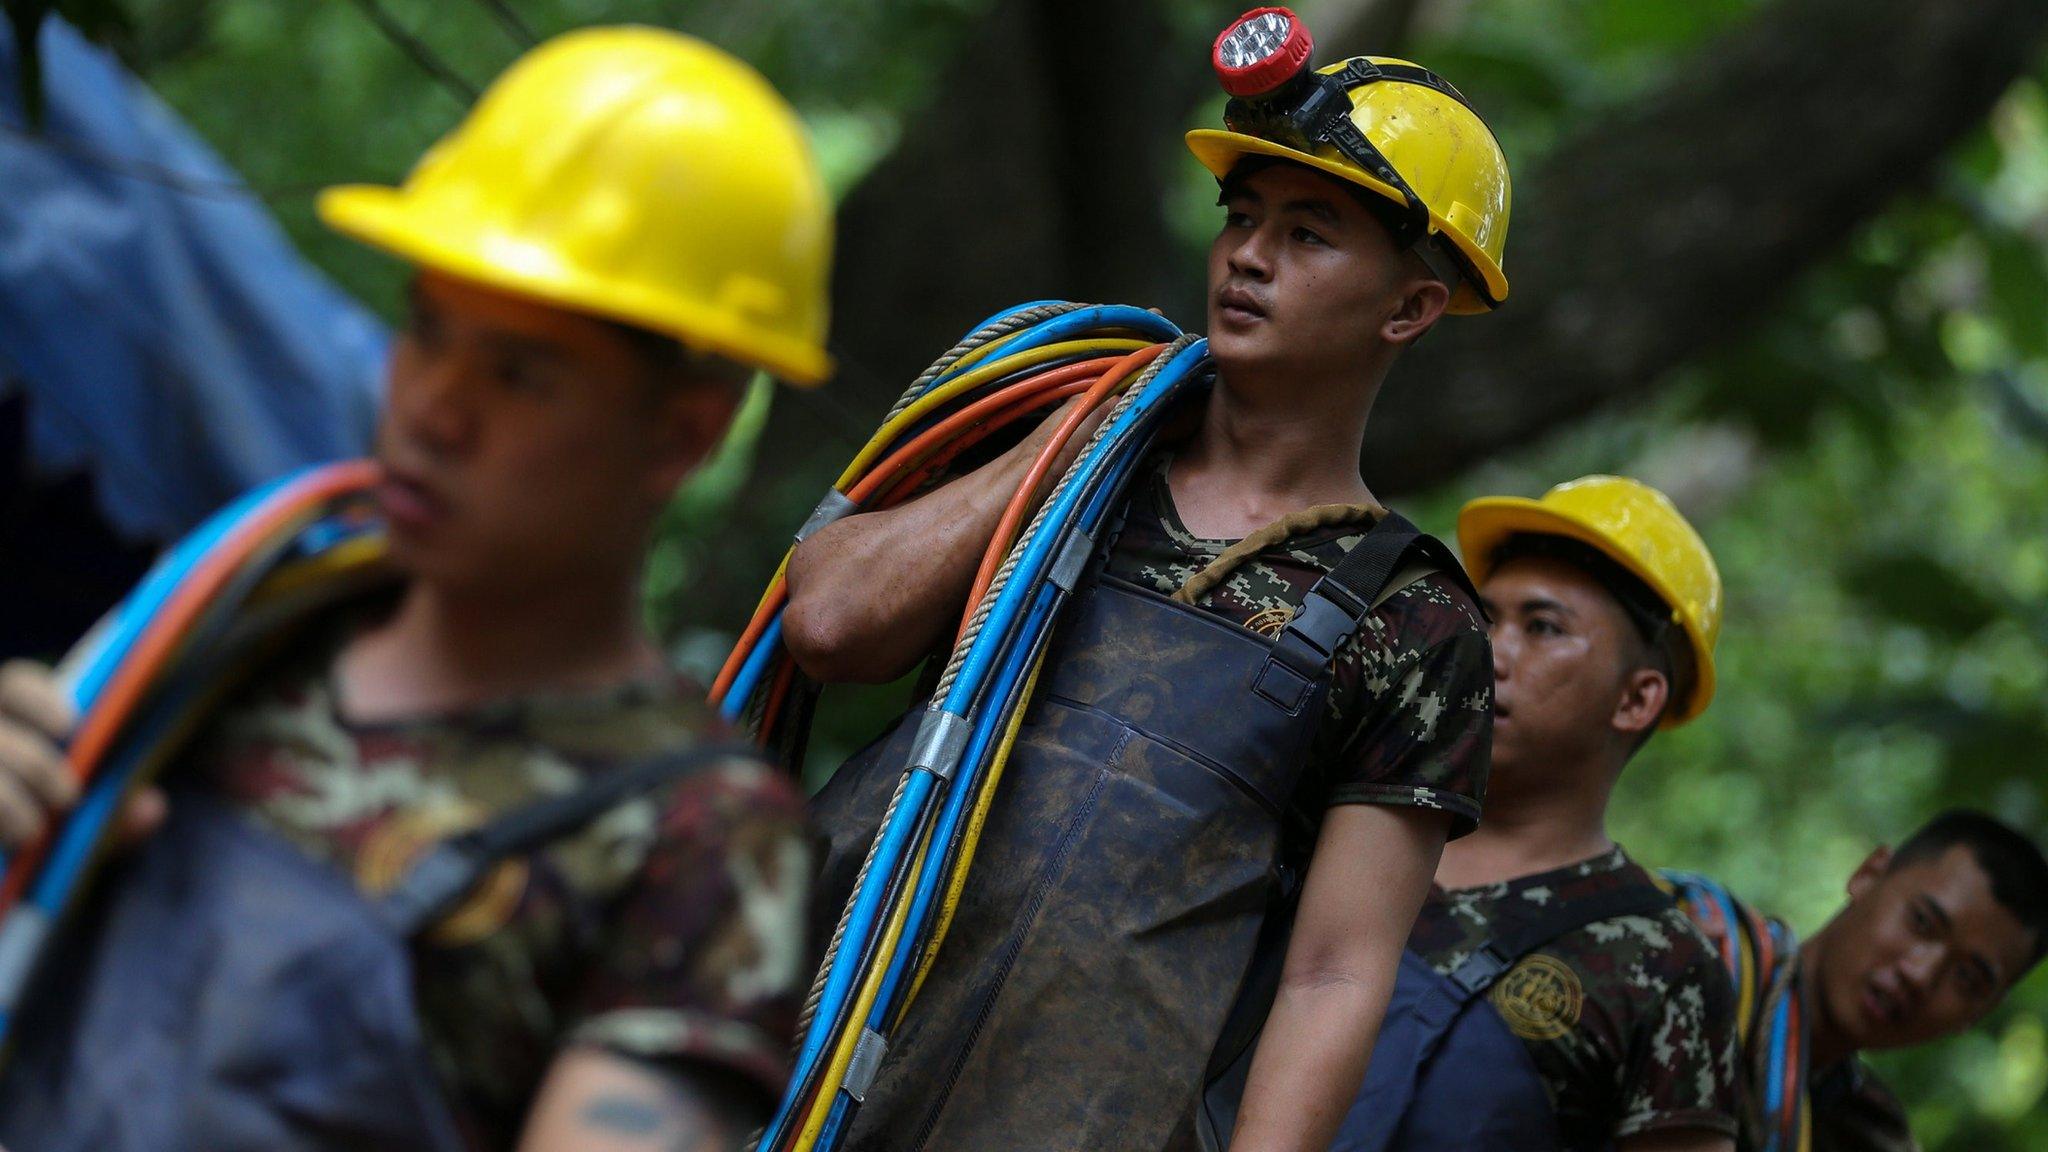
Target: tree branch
x=1673, y=228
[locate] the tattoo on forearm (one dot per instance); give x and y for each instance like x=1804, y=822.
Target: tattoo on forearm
x=625, y=1115
x=669, y=1124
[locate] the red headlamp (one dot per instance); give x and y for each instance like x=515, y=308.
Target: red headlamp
x=1263, y=50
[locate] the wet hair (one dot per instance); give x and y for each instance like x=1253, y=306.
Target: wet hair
x=671, y=361
x=2013, y=862
x=1379, y=207
x=1382, y=209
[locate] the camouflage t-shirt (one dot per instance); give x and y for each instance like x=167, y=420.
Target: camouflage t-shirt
x=669, y=929
x=1630, y=1021
x=1410, y=717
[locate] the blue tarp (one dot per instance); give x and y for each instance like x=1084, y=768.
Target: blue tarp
x=170, y=340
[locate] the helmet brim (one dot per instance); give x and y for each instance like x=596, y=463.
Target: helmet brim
x=382, y=218
x=1219, y=151
x=1487, y=523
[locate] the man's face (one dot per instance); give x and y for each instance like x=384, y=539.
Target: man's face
x=524, y=443
x=1920, y=952
x=1301, y=275
x=1560, y=667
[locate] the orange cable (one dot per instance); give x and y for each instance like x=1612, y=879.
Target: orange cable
x=1027, y=492
x=932, y=441
x=161, y=641
x=939, y=461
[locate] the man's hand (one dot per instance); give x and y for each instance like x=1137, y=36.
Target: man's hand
x=35, y=780
x=596, y=1101
x=874, y=593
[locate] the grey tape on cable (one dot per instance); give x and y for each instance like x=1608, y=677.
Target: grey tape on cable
x=1073, y=557
x=835, y=506
x=867, y=1059
x=941, y=741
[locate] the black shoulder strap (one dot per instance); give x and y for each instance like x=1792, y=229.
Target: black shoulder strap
x=1484, y=966
x=1338, y=603
x=446, y=874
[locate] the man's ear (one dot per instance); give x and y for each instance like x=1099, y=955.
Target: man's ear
x=1643, y=695
x=1423, y=301
x=1870, y=872
x=691, y=418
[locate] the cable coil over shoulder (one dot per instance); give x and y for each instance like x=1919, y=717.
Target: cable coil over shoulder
x=1017, y=366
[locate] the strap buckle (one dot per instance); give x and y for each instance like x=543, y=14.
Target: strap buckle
x=1480, y=970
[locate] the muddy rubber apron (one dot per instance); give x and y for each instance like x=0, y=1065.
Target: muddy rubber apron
x=232, y=994
x=1127, y=865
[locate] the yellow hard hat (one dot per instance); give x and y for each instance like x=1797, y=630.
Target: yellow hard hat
x=1638, y=528
x=636, y=174
x=1437, y=144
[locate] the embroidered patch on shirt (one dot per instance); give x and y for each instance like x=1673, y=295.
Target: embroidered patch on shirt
x=1540, y=998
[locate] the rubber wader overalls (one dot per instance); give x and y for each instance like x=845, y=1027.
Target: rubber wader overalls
x=1446, y=1071
x=225, y=992
x=1127, y=865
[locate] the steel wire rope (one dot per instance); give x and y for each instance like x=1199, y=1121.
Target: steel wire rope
x=990, y=329
x=1104, y=484
x=951, y=435
x=823, y=980
x=803, y=1091
x=811, y=1000
x=1120, y=429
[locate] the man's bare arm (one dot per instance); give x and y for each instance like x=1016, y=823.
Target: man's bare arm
x=596, y=1101
x=872, y=594
x=1370, y=873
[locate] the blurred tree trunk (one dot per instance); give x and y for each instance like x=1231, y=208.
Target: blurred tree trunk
x=1040, y=157
x=1654, y=237
x=1644, y=241
x=1035, y=172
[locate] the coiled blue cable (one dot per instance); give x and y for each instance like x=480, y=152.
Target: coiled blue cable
x=135, y=611
x=1028, y=600
x=1108, y=459
x=752, y=672
x=1050, y=331
x=1069, y=325
x=1006, y=313
x=1034, y=632
x=1037, y=552
x=111, y=642
x=83, y=828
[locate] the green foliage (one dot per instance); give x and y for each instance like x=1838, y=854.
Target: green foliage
x=1882, y=526
x=361, y=110
x=1886, y=556
x=1869, y=467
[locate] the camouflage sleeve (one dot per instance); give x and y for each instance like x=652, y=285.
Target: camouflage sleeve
x=1682, y=1068
x=706, y=957
x=1422, y=732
